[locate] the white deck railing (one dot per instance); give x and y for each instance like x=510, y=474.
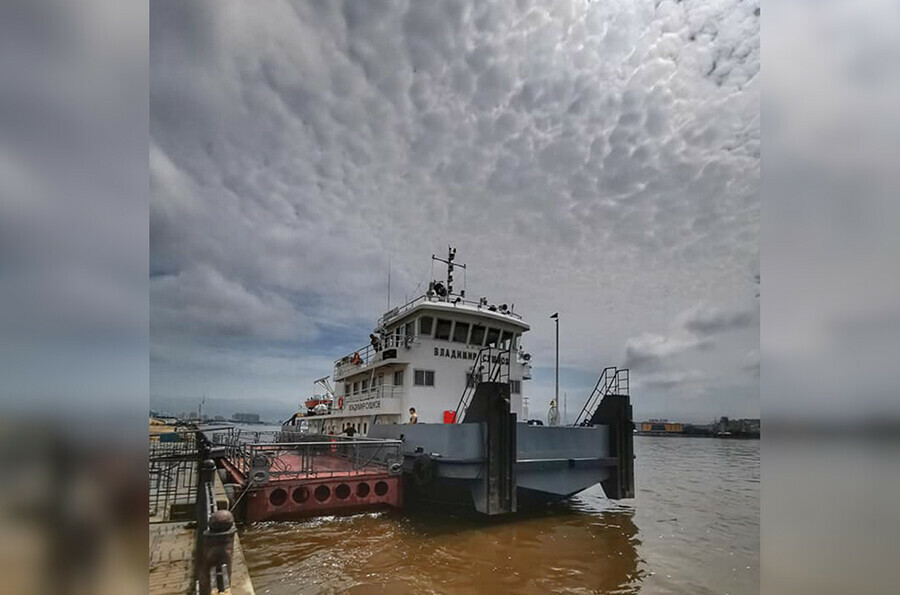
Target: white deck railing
x=385, y=391
x=366, y=356
x=400, y=310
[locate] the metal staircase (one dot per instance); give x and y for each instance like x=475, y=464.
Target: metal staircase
x=491, y=365
x=612, y=381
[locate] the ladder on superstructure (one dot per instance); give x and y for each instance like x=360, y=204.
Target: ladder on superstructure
x=612, y=381
x=497, y=371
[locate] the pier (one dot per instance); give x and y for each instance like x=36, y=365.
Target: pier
x=194, y=547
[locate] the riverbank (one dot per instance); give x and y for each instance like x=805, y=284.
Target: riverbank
x=686, y=435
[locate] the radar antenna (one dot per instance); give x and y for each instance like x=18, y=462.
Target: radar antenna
x=448, y=291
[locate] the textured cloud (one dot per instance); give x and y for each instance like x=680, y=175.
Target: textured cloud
x=716, y=320
x=649, y=351
x=670, y=380
x=695, y=329
x=600, y=159
x=701, y=365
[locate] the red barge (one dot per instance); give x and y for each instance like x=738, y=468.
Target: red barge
x=296, y=476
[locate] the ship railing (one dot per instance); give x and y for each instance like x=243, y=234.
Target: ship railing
x=312, y=456
x=369, y=354
x=400, y=310
x=384, y=391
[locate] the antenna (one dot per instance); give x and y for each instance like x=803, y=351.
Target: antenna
x=389, y=282
x=451, y=254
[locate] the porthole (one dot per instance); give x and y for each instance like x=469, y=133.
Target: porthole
x=278, y=497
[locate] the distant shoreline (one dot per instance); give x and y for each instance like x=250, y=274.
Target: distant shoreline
x=683, y=435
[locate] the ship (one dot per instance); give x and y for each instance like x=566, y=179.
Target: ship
x=444, y=375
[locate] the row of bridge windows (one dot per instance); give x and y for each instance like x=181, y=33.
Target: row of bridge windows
x=458, y=331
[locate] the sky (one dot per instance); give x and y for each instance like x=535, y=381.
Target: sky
x=599, y=159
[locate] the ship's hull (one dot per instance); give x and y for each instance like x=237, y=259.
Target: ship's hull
x=552, y=463
x=491, y=462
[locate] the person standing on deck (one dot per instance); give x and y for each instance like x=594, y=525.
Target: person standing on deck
x=553, y=415
x=413, y=418
x=350, y=430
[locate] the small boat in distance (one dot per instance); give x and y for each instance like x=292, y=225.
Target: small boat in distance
x=460, y=365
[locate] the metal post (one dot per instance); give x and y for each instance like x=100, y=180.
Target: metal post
x=218, y=547
x=206, y=477
x=556, y=318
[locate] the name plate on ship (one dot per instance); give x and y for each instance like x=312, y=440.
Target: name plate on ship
x=366, y=405
x=463, y=354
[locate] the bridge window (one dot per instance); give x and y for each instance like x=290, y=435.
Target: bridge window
x=492, y=336
x=365, y=385
x=477, y=334
x=409, y=329
x=442, y=331
x=461, y=332
x=398, y=378
x=504, y=339
x=423, y=377
x=425, y=324
x=515, y=387
x=355, y=387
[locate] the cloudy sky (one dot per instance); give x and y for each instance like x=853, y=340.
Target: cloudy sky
x=600, y=159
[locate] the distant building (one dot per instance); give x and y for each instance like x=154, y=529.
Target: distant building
x=247, y=418
x=748, y=428
x=661, y=426
x=220, y=418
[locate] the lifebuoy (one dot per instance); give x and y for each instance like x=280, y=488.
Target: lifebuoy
x=356, y=359
x=340, y=402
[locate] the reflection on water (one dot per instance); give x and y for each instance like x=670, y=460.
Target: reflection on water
x=693, y=528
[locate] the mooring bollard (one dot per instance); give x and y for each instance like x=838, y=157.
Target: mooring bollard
x=218, y=545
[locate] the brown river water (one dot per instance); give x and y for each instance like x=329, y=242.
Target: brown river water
x=692, y=528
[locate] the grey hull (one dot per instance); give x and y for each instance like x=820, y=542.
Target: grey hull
x=552, y=463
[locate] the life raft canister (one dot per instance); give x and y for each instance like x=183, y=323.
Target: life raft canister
x=356, y=359
x=340, y=402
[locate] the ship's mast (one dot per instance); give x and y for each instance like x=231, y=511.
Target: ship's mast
x=447, y=292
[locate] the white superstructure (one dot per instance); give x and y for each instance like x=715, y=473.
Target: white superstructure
x=422, y=355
